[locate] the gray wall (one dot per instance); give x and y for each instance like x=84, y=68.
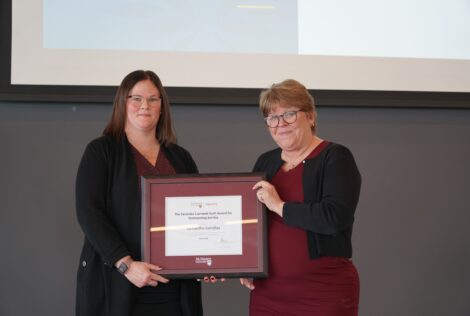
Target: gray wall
x=412, y=246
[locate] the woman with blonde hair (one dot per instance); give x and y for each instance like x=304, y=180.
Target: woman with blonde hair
x=311, y=190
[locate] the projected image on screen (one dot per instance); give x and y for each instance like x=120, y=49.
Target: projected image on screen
x=400, y=28
x=188, y=26
x=371, y=45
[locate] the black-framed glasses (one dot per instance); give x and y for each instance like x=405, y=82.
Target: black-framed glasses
x=138, y=100
x=289, y=117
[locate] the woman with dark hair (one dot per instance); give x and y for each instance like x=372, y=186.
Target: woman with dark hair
x=139, y=140
x=312, y=191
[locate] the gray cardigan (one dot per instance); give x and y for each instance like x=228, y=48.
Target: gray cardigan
x=108, y=206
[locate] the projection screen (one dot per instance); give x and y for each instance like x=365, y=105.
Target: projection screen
x=374, y=47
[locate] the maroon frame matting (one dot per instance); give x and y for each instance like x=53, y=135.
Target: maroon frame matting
x=252, y=262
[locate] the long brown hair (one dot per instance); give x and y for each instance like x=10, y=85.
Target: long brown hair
x=115, y=127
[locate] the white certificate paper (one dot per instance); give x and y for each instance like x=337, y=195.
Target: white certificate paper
x=203, y=225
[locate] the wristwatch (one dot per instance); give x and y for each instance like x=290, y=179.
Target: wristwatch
x=122, y=268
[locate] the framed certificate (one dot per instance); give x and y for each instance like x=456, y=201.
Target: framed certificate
x=204, y=225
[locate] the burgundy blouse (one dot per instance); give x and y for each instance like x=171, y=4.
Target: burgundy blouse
x=164, y=292
x=145, y=168
x=298, y=285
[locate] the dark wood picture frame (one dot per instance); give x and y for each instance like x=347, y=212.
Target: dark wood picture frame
x=251, y=262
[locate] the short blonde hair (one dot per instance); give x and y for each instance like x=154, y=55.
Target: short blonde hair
x=290, y=92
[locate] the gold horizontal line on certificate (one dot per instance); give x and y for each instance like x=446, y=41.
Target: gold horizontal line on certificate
x=243, y=221
x=178, y=227
x=181, y=227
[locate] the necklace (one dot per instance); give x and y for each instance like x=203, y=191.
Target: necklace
x=292, y=163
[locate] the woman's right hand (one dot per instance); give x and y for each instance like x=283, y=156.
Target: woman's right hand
x=143, y=274
x=247, y=283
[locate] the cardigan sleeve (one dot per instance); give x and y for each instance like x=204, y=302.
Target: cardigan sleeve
x=190, y=164
x=91, y=189
x=338, y=195
x=181, y=159
x=269, y=163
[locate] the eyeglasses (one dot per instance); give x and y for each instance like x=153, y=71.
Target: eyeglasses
x=138, y=100
x=289, y=117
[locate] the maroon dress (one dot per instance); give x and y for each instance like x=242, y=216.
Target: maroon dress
x=165, y=298
x=298, y=285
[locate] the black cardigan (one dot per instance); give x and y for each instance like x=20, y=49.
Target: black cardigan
x=108, y=207
x=331, y=183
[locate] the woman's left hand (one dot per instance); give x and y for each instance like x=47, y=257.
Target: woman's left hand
x=248, y=283
x=267, y=194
